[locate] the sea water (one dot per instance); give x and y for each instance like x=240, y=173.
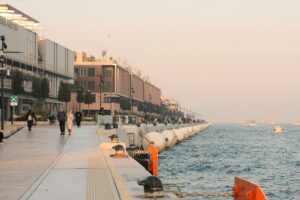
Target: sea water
x=209, y=161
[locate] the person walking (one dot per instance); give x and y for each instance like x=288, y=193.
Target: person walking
x=70, y=118
x=30, y=116
x=78, y=116
x=61, y=117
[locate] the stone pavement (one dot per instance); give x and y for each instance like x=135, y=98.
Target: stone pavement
x=41, y=164
x=10, y=129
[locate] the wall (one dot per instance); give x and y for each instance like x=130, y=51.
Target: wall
x=138, y=87
x=20, y=39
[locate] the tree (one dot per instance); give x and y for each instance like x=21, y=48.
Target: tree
x=40, y=89
x=140, y=107
x=36, y=88
x=44, y=90
x=88, y=99
x=125, y=104
x=80, y=96
x=17, y=82
x=103, y=54
x=64, y=93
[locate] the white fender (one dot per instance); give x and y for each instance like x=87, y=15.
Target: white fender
x=185, y=132
x=179, y=134
x=158, y=139
x=170, y=137
x=190, y=129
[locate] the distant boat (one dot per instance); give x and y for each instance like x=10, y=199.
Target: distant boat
x=249, y=123
x=252, y=124
x=278, y=129
x=296, y=123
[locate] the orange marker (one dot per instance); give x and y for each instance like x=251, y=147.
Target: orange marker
x=245, y=190
x=153, y=161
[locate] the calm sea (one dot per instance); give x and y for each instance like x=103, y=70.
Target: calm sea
x=208, y=161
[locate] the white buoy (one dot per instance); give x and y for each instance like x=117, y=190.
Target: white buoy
x=170, y=137
x=185, y=132
x=190, y=129
x=179, y=134
x=158, y=139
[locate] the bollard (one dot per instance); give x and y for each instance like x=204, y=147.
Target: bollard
x=153, y=187
x=114, y=138
x=119, y=152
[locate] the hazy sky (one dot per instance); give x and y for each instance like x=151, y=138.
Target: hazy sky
x=228, y=60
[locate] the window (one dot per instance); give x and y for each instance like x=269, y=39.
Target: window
x=76, y=71
x=82, y=84
x=107, y=72
x=82, y=72
x=91, y=71
x=94, y=98
x=91, y=85
x=107, y=86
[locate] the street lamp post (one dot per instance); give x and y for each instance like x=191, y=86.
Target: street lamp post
x=132, y=93
x=4, y=46
x=100, y=90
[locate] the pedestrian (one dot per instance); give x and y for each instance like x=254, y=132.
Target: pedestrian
x=30, y=116
x=1, y=137
x=70, y=118
x=61, y=117
x=78, y=116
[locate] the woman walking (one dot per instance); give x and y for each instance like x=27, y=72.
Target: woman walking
x=70, y=118
x=29, y=118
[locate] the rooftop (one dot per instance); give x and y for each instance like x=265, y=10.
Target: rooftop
x=18, y=17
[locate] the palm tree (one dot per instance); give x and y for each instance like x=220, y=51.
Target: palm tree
x=103, y=53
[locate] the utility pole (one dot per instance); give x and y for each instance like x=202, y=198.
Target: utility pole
x=132, y=93
x=100, y=90
x=2, y=59
x=4, y=46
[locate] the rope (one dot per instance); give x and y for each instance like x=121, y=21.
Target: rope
x=205, y=194
x=170, y=187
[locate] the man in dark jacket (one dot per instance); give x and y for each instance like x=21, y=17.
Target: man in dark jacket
x=78, y=116
x=61, y=117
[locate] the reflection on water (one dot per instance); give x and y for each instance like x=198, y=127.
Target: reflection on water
x=209, y=161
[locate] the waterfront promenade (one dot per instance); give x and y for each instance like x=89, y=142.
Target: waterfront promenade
x=41, y=164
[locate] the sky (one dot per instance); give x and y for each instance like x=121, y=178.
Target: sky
x=227, y=60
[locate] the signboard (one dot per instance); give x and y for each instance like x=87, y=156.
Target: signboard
x=14, y=100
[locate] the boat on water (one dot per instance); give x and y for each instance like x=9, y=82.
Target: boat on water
x=250, y=123
x=278, y=129
x=296, y=123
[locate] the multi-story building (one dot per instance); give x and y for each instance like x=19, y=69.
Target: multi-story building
x=116, y=83
x=170, y=104
x=34, y=57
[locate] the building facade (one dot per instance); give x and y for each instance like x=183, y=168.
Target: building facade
x=34, y=57
x=115, y=83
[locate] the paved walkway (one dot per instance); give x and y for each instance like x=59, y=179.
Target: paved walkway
x=10, y=130
x=41, y=164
